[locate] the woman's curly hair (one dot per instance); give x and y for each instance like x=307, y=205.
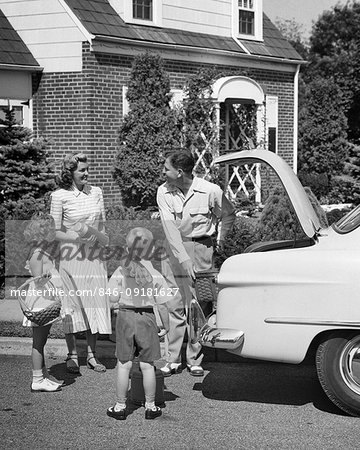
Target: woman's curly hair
x=69, y=165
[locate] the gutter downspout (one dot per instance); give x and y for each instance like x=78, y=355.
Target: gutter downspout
x=296, y=118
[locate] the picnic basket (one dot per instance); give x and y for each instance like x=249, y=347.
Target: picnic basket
x=206, y=286
x=40, y=315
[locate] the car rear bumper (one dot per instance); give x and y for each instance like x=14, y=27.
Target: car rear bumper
x=225, y=338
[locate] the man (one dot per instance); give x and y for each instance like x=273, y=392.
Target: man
x=190, y=209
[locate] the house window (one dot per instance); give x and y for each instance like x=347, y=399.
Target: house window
x=246, y=17
x=272, y=118
x=142, y=12
x=18, y=116
x=247, y=21
x=176, y=99
x=23, y=111
x=143, y=9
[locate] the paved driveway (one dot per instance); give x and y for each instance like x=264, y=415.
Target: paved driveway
x=250, y=405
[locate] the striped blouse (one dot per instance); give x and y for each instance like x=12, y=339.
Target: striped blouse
x=71, y=206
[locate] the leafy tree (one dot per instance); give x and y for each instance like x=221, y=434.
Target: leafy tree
x=346, y=187
x=335, y=54
x=294, y=33
x=323, y=145
x=149, y=130
x=329, y=119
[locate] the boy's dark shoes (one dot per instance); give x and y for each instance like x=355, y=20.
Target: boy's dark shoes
x=118, y=415
x=152, y=413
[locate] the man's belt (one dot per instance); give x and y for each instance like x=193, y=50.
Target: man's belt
x=201, y=238
x=139, y=310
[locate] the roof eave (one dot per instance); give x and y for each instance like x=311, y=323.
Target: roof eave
x=21, y=67
x=153, y=44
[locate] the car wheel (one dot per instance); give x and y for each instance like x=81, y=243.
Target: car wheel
x=338, y=368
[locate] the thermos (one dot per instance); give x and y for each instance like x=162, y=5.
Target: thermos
x=86, y=231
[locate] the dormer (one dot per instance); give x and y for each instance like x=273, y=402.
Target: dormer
x=140, y=12
x=241, y=19
x=247, y=19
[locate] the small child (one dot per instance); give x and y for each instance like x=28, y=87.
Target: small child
x=40, y=232
x=136, y=327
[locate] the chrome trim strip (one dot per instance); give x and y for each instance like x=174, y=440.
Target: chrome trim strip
x=321, y=322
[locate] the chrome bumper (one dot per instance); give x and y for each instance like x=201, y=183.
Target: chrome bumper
x=225, y=338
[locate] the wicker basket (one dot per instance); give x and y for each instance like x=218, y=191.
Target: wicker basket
x=46, y=315
x=206, y=286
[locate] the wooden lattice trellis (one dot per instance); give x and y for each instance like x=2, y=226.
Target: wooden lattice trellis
x=232, y=135
x=207, y=148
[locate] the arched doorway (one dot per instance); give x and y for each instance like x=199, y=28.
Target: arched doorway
x=240, y=115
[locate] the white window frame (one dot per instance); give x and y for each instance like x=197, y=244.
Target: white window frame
x=258, y=21
x=272, y=118
x=176, y=100
x=156, y=14
x=27, y=107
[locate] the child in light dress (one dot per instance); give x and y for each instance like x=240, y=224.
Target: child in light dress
x=136, y=327
x=40, y=233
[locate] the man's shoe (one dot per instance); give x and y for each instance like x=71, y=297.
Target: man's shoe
x=195, y=371
x=118, y=415
x=171, y=369
x=152, y=413
x=44, y=385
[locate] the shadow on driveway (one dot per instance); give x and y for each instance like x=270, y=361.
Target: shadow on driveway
x=265, y=382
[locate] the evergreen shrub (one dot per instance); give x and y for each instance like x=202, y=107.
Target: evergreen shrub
x=276, y=222
x=26, y=176
x=243, y=234
x=150, y=129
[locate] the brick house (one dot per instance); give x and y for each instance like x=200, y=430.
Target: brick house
x=86, y=48
x=17, y=68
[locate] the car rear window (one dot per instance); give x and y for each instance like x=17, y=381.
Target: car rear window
x=349, y=222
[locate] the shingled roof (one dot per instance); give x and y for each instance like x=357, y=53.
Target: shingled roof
x=274, y=45
x=13, y=51
x=100, y=19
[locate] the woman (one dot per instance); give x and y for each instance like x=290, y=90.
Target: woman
x=75, y=206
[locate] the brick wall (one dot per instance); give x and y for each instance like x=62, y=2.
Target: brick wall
x=83, y=111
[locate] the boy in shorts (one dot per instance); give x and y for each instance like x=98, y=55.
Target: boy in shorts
x=136, y=327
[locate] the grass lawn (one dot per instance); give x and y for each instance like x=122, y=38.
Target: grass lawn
x=9, y=328
x=15, y=329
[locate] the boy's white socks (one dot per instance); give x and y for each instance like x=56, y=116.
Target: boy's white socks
x=119, y=406
x=37, y=376
x=150, y=405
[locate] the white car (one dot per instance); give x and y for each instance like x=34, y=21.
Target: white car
x=281, y=300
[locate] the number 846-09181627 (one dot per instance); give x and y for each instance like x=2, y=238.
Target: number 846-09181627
x=141, y=292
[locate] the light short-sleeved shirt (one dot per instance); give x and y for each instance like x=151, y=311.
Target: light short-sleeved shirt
x=69, y=206
x=192, y=216
x=130, y=294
